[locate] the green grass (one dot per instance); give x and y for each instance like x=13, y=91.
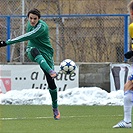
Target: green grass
x=74, y=119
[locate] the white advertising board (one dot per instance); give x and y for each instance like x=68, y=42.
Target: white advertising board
x=119, y=74
x=18, y=77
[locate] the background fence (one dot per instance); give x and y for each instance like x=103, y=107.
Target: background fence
x=99, y=37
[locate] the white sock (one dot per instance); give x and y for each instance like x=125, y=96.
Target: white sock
x=128, y=99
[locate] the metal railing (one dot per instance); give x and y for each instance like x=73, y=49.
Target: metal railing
x=83, y=37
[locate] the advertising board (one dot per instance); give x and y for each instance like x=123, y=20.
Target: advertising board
x=18, y=77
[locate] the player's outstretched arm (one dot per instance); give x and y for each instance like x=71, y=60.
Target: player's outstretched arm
x=3, y=44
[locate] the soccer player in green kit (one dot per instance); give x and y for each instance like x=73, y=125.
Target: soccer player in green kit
x=39, y=49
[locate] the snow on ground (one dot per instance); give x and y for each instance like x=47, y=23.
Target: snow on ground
x=74, y=96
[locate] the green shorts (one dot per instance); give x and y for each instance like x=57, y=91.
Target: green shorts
x=47, y=57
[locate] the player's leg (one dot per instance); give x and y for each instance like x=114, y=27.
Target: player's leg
x=126, y=123
x=35, y=56
x=53, y=92
x=128, y=101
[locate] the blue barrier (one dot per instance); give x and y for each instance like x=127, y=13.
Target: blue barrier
x=8, y=37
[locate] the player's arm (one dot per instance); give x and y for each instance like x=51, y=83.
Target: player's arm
x=129, y=54
x=28, y=36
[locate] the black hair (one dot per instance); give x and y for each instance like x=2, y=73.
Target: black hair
x=34, y=11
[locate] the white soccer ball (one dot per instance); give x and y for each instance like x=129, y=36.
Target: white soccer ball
x=67, y=66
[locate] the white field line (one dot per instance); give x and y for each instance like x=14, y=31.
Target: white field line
x=27, y=118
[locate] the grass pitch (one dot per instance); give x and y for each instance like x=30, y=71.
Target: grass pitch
x=74, y=119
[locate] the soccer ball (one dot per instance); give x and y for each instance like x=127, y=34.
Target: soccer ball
x=67, y=66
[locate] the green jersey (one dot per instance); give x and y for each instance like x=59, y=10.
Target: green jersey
x=37, y=36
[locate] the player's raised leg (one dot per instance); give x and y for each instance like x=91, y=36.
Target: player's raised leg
x=35, y=56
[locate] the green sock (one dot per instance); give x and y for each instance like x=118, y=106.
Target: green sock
x=42, y=62
x=53, y=94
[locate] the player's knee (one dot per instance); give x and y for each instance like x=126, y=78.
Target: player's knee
x=34, y=52
x=128, y=97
